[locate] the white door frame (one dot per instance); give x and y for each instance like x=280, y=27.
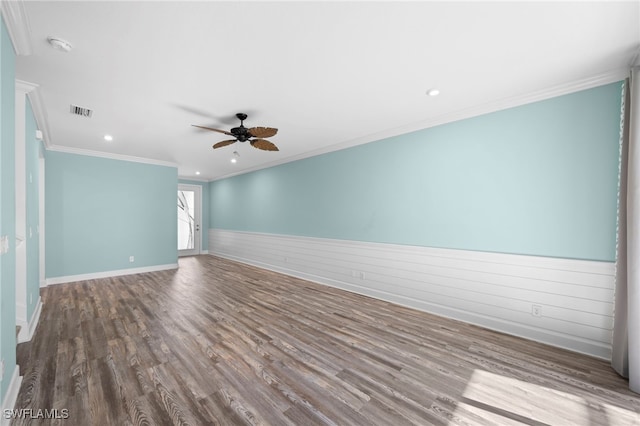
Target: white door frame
x=21, y=203
x=197, y=189
x=41, y=235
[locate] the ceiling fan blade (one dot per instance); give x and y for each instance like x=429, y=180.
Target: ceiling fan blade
x=262, y=132
x=214, y=130
x=223, y=143
x=264, y=145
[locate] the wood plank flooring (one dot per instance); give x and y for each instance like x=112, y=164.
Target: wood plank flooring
x=222, y=343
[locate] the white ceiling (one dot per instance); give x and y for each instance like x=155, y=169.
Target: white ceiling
x=327, y=74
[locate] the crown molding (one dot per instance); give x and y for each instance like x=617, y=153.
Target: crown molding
x=18, y=26
x=32, y=91
x=180, y=177
x=110, y=155
x=498, y=105
x=25, y=87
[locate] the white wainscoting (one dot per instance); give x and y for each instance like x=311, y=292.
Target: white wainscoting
x=493, y=290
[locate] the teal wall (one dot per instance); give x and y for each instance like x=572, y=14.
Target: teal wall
x=7, y=208
x=538, y=179
x=32, y=153
x=101, y=211
x=205, y=209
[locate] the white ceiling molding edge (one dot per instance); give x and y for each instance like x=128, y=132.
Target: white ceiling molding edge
x=18, y=26
x=37, y=105
x=110, y=156
x=24, y=86
x=40, y=114
x=506, y=103
x=192, y=178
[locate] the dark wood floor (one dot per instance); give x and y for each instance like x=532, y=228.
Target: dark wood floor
x=217, y=342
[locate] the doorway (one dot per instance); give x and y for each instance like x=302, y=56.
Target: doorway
x=189, y=214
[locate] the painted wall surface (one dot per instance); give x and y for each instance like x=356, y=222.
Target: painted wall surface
x=32, y=151
x=539, y=179
x=7, y=208
x=205, y=209
x=101, y=211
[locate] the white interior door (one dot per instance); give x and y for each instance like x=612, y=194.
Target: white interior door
x=189, y=213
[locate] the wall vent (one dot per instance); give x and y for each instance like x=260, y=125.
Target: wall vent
x=83, y=112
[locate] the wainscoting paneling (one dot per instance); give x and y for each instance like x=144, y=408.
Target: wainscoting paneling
x=493, y=290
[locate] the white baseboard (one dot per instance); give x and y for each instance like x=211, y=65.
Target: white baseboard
x=27, y=329
x=43, y=283
x=493, y=290
x=9, y=400
x=109, y=274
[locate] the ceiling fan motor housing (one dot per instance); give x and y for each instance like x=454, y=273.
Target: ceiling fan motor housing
x=241, y=132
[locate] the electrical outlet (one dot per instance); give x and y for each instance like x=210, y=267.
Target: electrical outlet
x=2, y=370
x=361, y=275
x=536, y=310
x=4, y=244
x=31, y=298
x=131, y=259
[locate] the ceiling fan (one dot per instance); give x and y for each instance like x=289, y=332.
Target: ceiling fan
x=255, y=135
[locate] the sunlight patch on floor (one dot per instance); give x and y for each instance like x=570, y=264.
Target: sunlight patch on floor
x=506, y=401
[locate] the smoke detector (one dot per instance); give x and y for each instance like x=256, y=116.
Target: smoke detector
x=59, y=44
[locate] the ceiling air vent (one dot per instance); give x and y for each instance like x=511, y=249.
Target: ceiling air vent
x=83, y=112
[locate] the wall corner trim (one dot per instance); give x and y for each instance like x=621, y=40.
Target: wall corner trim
x=109, y=274
x=10, y=398
x=32, y=91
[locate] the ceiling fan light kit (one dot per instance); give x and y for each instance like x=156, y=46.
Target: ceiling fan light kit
x=254, y=135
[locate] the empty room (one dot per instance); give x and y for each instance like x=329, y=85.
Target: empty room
x=319, y=213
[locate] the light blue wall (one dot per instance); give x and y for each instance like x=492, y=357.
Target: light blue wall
x=101, y=211
x=539, y=179
x=32, y=152
x=205, y=209
x=7, y=208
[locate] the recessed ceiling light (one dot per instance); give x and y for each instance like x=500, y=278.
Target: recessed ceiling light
x=197, y=173
x=59, y=44
x=234, y=160
x=108, y=138
x=433, y=92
